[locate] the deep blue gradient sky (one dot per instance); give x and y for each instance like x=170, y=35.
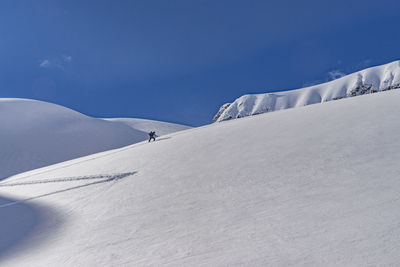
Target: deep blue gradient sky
x=178, y=61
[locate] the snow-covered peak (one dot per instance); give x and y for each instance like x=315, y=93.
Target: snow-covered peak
x=371, y=80
x=314, y=186
x=35, y=134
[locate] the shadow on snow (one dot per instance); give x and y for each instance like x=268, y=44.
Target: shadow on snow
x=20, y=221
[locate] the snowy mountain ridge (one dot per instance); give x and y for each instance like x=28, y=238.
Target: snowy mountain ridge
x=278, y=189
x=371, y=80
x=35, y=134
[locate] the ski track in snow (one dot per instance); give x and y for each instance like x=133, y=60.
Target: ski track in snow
x=313, y=186
x=35, y=134
x=20, y=219
x=102, y=179
x=106, y=178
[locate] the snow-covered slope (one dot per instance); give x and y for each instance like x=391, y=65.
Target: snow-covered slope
x=144, y=125
x=35, y=134
x=312, y=186
x=371, y=80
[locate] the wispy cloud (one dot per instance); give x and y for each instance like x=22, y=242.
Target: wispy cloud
x=364, y=64
x=339, y=72
x=67, y=58
x=329, y=76
x=45, y=63
x=335, y=74
x=59, y=62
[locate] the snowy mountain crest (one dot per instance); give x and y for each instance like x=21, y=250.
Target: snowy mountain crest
x=371, y=80
x=34, y=134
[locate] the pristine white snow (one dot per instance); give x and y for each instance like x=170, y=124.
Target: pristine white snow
x=35, y=134
x=371, y=80
x=313, y=186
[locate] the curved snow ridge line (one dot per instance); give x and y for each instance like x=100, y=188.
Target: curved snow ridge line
x=106, y=178
x=103, y=154
x=92, y=157
x=371, y=80
x=32, y=129
x=99, y=181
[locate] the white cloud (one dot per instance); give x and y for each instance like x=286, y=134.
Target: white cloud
x=331, y=75
x=67, y=58
x=364, y=64
x=58, y=62
x=335, y=74
x=45, y=63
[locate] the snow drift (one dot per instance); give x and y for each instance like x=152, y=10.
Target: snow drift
x=372, y=80
x=312, y=186
x=35, y=134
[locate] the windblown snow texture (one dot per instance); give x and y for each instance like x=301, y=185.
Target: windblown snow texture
x=372, y=80
x=311, y=186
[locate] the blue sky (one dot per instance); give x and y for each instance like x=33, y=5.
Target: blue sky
x=180, y=60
